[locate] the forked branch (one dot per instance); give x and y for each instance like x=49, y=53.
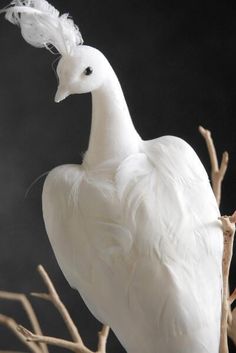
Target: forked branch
x=217, y=173
x=36, y=341
x=22, y=299
x=77, y=344
x=12, y=325
x=56, y=301
x=228, y=318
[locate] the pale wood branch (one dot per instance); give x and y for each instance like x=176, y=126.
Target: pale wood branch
x=217, y=173
x=102, y=339
x=35, y=340
x=12, y=325
x=53, y=296
x=55, y=299
x=72, y=346
x=228, y=321
x=29, y=311
x=228, y=223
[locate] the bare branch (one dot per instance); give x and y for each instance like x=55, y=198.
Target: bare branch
x=233, y=217
x=228, y=320
x=35, y=340
x=72, y=346
x=228, y=224
x=29, y=311
x=217, y=174
x=44, y=296
x=211, y=148
x=55, y=299
x=102, y=339
x=13, y=326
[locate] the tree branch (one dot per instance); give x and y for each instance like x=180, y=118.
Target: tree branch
x=13, y=326
x=228, y=319
x=29, y=311
x=72, y=346
x=36, y=340
x=55, y=299
x=217, y=173
x=228, y=223
x=102, y=339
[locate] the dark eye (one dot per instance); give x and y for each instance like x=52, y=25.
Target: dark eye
x=88, y=71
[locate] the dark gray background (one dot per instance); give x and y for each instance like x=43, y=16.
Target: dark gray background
x=176, y=65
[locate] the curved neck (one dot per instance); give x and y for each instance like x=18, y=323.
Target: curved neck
x=113, y=136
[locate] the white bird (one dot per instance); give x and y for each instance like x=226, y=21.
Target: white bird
x=134, y=228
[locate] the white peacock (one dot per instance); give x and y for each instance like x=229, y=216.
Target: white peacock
x=134, y=227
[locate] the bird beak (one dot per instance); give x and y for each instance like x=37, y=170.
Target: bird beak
x=61, y=94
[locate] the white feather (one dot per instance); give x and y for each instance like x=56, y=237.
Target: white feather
x=42, y=26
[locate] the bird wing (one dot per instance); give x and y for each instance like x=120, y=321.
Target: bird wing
x=172, y=214
x=81, y=216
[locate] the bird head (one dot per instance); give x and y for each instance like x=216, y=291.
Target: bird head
x=82, y=72
x=81, y=68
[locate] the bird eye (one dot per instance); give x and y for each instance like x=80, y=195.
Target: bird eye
x=88, y=71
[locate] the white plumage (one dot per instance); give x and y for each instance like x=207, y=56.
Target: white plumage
x=41, y=25
x=134, y=228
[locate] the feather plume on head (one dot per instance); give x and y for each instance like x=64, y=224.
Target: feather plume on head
x=42, y=26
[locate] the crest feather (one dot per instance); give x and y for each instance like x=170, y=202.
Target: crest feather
x=43, y=26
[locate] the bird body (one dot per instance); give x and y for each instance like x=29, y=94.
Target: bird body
x=141, y=247
x=132, y=233
x=134, y=228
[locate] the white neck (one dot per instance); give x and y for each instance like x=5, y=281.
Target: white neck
x=113, y=136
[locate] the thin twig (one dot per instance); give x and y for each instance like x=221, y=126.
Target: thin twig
x=13, y=326
x=29, y=311
x=217, y=173
x=228, y=224
x=55, y=299
x=102, y=339
x=72, y=346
